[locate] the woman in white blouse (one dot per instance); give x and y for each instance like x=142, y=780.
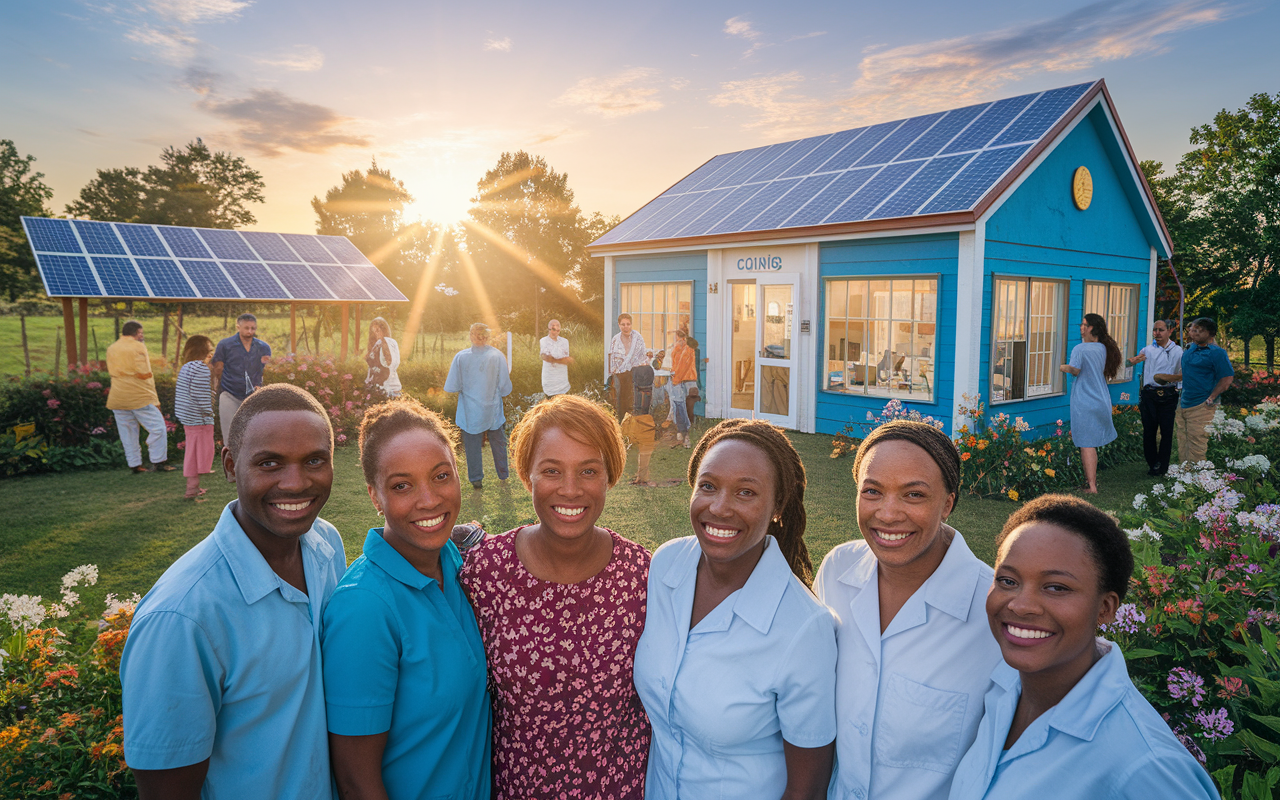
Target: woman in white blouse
x=736, y=666
x=915, y=653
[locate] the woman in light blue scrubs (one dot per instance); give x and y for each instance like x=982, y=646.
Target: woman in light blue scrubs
x=1062, y=717
x=405, y=681
x=736, y=666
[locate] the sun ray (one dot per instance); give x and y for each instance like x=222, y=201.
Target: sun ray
x=482, y=297
x=419, y=305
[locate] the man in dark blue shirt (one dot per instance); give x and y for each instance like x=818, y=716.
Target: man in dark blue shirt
x=237, y=369
x=1205, y=373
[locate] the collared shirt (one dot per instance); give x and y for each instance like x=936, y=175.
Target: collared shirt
x=622, y=359
x=223, y=662
x=1165, y=360
x=1202, y=368
x=127, y=358
x=908, y=700
x=404, y=658
x=555, y=377
x=1103, y=740
x=241, y=369
x=480, y=377
x=722, y=698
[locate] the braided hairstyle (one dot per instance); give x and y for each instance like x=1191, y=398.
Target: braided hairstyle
x=1098, y=326
x=788, y=502
x=928, y=438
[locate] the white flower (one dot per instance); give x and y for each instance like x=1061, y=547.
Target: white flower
x=24, y=611
x=1139, y=500
x=1257, y=461
x=1158, y=489
x=85, y=573
x=116, y=605
x=3, y=655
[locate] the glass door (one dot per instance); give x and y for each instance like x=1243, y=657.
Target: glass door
x=763, y=360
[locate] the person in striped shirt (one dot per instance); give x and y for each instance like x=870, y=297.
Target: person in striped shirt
x=194, y=408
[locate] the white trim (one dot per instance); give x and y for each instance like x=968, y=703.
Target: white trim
x=834, y=237
x=1151, y=302
x=609, y=288
x=1135, y=176
x=716, y=346
x=970, y=274
x=806, y=396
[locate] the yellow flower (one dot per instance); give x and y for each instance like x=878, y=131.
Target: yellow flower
x=1051, y=473
x=1013, y=495
x=982, y=444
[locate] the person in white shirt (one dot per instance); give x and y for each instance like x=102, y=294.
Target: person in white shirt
x=554, y=350
x=1158, y=402
x=626, y=351
x=915, y=651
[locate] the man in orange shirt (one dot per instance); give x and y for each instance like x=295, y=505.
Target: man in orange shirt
x=684, y=375
x=133, y=399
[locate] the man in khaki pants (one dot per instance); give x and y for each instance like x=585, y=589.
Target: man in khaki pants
x=1205, y=374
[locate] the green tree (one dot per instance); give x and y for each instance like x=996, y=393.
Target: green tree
x=191, y=186
x=527, y=238
x=368, y=208
x=1231, y=183
x=22, y=193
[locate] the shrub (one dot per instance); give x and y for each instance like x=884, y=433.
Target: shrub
x=61, y=729
x=1252, y=386
x=1199, y=630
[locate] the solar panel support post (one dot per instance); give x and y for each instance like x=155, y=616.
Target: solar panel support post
x=69, y=332
x=177, y=347
x=355, y=329
x=293, y=328
x=346, y=329
x=84, y=329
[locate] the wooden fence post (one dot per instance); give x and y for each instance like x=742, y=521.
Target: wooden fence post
x=69, y=328
x=84, y=330
x=346, y=329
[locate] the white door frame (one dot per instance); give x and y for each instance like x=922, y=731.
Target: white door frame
x=792, y=362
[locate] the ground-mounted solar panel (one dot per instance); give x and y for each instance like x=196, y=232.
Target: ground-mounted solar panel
x=86, y=258
x=933, y=163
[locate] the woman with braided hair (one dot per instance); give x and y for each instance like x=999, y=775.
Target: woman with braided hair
x=1094, y=361
x=915, y=652
x=736, y=666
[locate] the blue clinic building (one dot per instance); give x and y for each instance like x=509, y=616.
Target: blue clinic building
x=923, y=259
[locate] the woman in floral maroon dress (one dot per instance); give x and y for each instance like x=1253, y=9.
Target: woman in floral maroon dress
x=561, y=605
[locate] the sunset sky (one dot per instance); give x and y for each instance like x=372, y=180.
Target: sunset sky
x=625, y=98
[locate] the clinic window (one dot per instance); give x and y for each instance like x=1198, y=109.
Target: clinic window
x=1028, y=331
x=656, y=308
x=881, y=336
x=1117, y=303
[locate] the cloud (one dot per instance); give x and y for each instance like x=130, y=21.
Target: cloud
x=167, y=27
x=737, y=26
x=946, y=73
x=628, y=92
x=170, y=43
x=190, y=12
x=502, y=45
x=269, y=122
x=800, y=36
x=302, y=58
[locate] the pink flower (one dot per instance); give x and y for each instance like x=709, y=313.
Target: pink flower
x=302, y=368
x=98, y=430
x=350, y=405
x=54, y=403
x=93, y=385
x=182, y=445
x=47, y=393
x=342, y=438
x=333, y=411
x=347, y=377
x=310, y=384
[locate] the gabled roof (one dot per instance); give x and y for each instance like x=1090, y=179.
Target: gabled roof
x=936, y=169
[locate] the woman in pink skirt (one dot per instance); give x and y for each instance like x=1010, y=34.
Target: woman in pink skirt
x=194, y=409
x=561, y=605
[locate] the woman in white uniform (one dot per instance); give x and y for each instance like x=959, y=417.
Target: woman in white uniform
x=915, y=653
x=736, y=666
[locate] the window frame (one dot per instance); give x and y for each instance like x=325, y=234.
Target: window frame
x=1059, y=342
x=1129, y=348
x=929, y=397
x=637, y=315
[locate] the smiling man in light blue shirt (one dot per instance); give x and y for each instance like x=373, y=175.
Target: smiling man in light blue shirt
x=223, y=692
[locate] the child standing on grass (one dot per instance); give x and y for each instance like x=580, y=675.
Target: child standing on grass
x=194, y=408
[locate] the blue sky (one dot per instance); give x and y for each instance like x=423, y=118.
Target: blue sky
x=625, y=98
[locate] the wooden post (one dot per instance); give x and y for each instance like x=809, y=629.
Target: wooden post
x=26, y=353
x=293, y=328
x=69, y=331
x=346, y=329
x=355, y=329
x=57, y=350
x=177, y=348
x=164, y=337
x=84, y=329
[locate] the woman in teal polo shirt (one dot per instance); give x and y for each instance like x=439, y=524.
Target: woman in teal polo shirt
x=404, y=668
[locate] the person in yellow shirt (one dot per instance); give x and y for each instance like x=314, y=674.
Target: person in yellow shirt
x=133, y=399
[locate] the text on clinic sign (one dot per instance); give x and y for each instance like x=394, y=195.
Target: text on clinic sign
x=759, y=263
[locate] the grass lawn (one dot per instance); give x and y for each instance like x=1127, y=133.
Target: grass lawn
x=134, y=526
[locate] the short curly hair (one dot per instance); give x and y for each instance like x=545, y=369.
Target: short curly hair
x=581, y=420
x=1108, y=545
x=384, y=421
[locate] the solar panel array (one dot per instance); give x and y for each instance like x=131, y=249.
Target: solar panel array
x=922, y=165
x=82, y=258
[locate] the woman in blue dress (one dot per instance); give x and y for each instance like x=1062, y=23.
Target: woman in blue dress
x=1094, y=361
x=736, y=666
x=1062, y=719
x=405, y=682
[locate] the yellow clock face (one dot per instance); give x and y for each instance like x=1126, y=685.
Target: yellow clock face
x=1082, y=188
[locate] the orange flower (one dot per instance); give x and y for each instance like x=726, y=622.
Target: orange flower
x=982, y=445
x=965, y=456
x=68, y=720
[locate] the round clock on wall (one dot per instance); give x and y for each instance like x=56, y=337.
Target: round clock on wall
x=1082, y=188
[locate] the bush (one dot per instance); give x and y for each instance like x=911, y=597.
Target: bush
x=61, y=729
x=1253, y=386
x=1199, y=630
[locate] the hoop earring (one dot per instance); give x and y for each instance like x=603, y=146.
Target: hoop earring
x=380, y=512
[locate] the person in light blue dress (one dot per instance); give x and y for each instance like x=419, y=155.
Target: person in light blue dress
x=1062, y=718
x=1094, y=361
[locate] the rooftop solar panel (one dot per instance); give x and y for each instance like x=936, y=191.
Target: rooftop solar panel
x=85, y=258
x=933, y=163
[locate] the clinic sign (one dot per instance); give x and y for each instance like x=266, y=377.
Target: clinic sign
x=747, y=261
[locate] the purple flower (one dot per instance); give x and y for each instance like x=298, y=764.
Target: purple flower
x=1185, y=683
x=1214, y=724
x=93, y=385
x=54, y=403
x=1190, y=744
x=1128, y=617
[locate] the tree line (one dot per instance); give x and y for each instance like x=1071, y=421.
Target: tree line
x=518, y=259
